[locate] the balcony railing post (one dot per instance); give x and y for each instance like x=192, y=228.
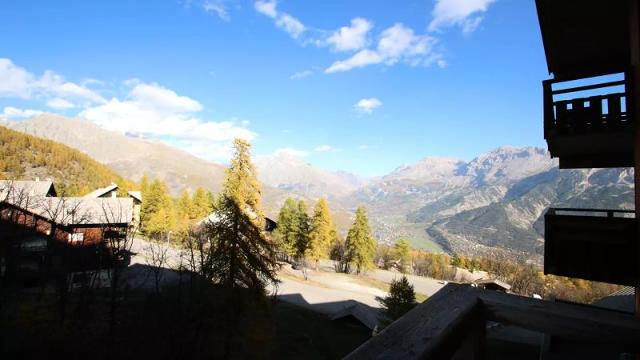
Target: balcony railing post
x=547, y=97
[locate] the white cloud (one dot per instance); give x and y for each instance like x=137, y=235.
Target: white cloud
x=364, y=147
x=291, y=25
x=10, y=112
x=352, y=37
x=164, y=99
x=461, y=13
x=301, y=75
x=267, y=8
x=153, y=111
x=216, y=7
x=396, y=43
x=59, y=104
x=368, y=105
x=324, y=148
x=290, y=152
x=284, y=21
x=18, y=82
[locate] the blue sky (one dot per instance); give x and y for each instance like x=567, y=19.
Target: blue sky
x=362, y=86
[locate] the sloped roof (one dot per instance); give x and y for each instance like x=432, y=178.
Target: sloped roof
x=136, y=195
x=363, y=313
x=101, y=191
x=77, y=211
x=502, y=284
x=25, y=188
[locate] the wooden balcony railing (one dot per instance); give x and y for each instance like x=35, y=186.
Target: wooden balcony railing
x=591, y=131
x=452, y=324
x=592, y=244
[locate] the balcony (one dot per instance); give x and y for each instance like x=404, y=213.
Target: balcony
x=588, y=126
x=463, y=322
x=591, y=244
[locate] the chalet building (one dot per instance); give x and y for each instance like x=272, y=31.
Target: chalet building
x=591, y=109
x=111, y=191
x=39, y=230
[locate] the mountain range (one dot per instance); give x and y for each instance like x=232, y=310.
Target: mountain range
x=495, y=201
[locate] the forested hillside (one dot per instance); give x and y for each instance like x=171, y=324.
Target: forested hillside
x=74, y=173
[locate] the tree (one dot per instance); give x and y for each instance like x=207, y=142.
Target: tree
x=242, y=257
x=302, y=235
x=287, y=229
x=400, y=300
x=201, y=204
x=157, y=213
x=402, y=252
x=323, y=232
x=360, y=247
x=183, y=211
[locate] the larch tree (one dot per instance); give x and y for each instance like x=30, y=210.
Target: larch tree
x=201, y=204
x=402, y=252
x=302, y=235
x=323, y=232
x=242, y=256
x=360, y=246
x=183, y=211
x=287, y=229
x=158, y=209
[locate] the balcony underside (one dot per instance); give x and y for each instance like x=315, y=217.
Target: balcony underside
x=598, y=248
x=592, y=150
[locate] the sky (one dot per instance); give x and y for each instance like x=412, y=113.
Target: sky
x=361, y=85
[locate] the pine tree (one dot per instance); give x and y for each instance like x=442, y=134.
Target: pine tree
x=360, y=247
x=323, y=232
x=402, y=252
x=287, y=229
x=302, y=235
x=400, y=300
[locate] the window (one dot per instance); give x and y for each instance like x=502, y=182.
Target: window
x=76, y=238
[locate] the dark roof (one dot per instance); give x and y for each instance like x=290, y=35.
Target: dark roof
x=498, y=283
x=622, y=300
x=584, y=38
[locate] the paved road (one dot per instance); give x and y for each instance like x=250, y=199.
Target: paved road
x=421, y=284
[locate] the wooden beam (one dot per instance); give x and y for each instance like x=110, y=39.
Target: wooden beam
x=435, y=329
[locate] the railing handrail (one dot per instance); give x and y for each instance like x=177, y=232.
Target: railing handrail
x=588, y=87
x=609, y=212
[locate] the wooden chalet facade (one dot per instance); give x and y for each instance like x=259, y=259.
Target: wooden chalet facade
x=40, y=232
x=591, y=108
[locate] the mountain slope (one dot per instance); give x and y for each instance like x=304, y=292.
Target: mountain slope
x=129, y=157
x=74, y=173
x=292, y=174
x=493, y=201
